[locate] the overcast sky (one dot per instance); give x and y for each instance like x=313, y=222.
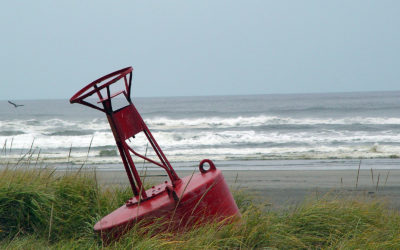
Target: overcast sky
x=51, y=49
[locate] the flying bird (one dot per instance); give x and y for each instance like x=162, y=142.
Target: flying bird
x=15, y=105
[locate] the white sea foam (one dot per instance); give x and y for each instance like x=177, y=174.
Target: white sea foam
x=262, y=120
x=203, y=137
x=219, y=137
x=33, y=126
x=261, y=153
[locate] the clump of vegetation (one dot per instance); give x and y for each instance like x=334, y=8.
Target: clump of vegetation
x=41, y=209
x=55, y=207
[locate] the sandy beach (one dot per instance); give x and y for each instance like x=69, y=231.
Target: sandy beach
x=285, y=188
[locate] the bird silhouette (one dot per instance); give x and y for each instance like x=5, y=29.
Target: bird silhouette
x=15, y=105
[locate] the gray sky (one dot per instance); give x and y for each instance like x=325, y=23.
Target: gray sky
x=51, y=49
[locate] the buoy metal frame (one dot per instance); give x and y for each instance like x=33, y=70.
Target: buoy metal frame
x=201, y=197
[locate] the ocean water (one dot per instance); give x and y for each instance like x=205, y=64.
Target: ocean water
x=256, y=130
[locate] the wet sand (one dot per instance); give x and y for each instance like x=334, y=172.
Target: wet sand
x=285, y=188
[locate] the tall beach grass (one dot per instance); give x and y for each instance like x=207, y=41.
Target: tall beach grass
x=42, y=209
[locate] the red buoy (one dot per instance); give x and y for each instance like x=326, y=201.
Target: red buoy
x=182, y=202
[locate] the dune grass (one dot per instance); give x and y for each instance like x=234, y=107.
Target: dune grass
x=40, y=209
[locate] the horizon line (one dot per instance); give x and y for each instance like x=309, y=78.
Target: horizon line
x=233, y=95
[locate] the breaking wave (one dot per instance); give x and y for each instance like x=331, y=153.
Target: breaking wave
x=254, y=137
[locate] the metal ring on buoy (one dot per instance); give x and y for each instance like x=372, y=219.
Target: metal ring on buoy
x=210, y=163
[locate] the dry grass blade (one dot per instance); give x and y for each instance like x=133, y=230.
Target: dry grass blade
x=37, y=158
x=199, y=201
x=144, y=162
x=31, y=147
x=180, y=198
x=377, y=182
x=12, y=140
x=69, y=153
x=4, y=149
x=87, y=156
x=387, y=176
x=358, y=173
x=51, y=221
x=372, y=176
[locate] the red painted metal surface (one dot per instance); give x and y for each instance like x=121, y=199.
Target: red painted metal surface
x=184, y=202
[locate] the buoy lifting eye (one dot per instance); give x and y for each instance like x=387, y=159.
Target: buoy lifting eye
x=210, y=163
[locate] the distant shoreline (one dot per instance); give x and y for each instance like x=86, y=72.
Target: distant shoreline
x=259, y=165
